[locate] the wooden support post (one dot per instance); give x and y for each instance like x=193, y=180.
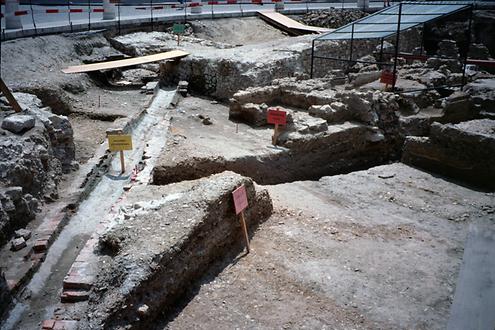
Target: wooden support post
x=244, y=228
x=122, y=161
x=275, y=135
x=12, y=101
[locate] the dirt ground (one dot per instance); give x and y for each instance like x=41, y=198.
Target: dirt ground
x=372, y=249
x=96, y=110
x=88, y=135
x=195, y=138
x=236, y=31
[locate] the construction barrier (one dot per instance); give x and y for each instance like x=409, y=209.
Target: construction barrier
x=113, y=9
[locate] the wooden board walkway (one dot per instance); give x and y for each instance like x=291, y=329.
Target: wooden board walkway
x=288, y=24
x=172, y=55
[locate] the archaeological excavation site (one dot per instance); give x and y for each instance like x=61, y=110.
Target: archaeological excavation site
x=327, y=169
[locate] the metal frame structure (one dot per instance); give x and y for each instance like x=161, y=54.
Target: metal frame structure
x=385, y=27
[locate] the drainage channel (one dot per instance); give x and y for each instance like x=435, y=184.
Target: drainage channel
x=41, y=296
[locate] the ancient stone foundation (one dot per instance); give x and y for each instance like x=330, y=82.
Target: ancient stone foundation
x=163, y=240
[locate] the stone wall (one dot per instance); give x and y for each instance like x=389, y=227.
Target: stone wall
x=36, y=147
x=184, y=227
x=464, y=151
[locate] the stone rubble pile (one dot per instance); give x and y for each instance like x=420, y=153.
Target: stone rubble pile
x=332, y=18
x=36, y=147
x=320, y=106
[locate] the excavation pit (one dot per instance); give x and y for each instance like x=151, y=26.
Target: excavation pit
x=349, y=243
x=203, y=141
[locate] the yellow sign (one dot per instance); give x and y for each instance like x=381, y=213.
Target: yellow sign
x=119, y=142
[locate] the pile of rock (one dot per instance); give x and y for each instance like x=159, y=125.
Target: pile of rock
x=321, y=106
x=332, y=18
x=315, y=96
x=16, y=210
x=36, y=147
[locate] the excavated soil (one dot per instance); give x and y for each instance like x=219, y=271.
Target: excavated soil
x=380, y=248
x=204, y=141
x=375, y=249
x=236, y=31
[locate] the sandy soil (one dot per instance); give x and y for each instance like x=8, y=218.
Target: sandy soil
x=236, y=31
x=374, y=249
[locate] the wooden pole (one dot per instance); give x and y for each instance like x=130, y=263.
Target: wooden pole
x=243, y=222
x=12, y=101
x=275, y=135
x=122, y=161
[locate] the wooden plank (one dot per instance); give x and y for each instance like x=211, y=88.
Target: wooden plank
x=8, y=95
x=174, y=54
x=285, y=22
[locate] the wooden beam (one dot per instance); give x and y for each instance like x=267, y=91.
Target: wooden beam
x=288, y=24
x=172, y=55
x=12, y=101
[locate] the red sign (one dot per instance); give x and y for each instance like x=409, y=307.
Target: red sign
x=276, y=117
x=240, y=199
x=388, y=77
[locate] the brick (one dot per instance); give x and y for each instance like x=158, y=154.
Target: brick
x=40, y=245
x=65, y=325
x=72, y=296
x=48, y=324
x=78, y=282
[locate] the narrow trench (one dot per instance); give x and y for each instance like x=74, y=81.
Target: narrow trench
x=269, y=170
x=42, y=293
x=340, y=152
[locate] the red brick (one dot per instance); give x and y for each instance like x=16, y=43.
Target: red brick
x=47, y=324
x=40, y=245
x=71, y=296
x=65, y=325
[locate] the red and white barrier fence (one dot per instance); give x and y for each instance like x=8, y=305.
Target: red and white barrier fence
x=13, y=13
x=71, y=10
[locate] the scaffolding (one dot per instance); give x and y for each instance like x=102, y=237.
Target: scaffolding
x=391, y=22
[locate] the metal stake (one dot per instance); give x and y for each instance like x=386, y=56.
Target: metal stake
x=397, y=47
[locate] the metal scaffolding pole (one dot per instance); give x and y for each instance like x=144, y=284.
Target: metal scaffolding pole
x=397, y=39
